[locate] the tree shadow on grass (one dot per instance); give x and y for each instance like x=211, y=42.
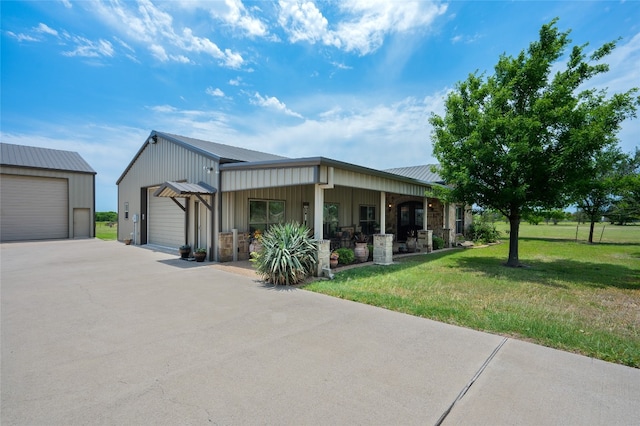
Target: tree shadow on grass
x=554, y=272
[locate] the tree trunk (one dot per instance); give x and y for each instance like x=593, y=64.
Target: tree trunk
x=591, y=226
x=514, y=229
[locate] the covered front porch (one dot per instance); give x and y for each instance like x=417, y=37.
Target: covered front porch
x=335, y=200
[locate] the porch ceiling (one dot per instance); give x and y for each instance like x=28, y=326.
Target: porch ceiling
x=183, y=189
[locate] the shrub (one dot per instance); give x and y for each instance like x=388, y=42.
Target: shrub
x=347, y=256
x=288, y=254
x=483, y=230
x=438, y=242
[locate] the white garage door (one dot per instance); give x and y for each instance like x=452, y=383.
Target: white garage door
x=33, y=208
x=165, y=221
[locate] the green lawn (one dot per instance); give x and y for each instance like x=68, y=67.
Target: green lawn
x=105, y=232
x=572, y=296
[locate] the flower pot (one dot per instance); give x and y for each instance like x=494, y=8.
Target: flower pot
x=361, y=252
x=333, y=263
x=184, y=253
x=255, y=247
x=200, y=256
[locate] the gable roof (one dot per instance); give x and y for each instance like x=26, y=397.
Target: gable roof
x=213, y=150
x=421, y=173
x=42, y=158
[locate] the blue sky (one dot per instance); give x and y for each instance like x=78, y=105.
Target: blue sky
x=352, y=80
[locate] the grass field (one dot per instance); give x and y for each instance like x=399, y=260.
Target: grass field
x=574, y=296
x=105, y=232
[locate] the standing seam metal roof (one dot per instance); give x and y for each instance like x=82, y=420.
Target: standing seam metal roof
x=224, y=152
x=421, y=173
x=43, y=158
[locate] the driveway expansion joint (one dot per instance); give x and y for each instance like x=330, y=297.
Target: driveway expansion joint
x=471, y=382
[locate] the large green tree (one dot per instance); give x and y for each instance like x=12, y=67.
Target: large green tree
x=597, y=190
x=515, y=140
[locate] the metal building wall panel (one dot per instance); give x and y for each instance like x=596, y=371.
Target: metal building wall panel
x=377, y=183
x=80, y=193
x=158, y=163
x=239, y=180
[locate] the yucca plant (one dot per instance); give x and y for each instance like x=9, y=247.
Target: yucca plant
x=288, y=254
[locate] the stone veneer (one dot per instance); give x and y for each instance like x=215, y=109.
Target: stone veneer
x=324, y=252
x=425, y=241
x=383, y=249
x=225, y=247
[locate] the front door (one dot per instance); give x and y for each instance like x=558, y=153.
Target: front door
x=410, y=219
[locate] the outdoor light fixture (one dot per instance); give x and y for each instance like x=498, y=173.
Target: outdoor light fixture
x=153, y=139
x=208, y=169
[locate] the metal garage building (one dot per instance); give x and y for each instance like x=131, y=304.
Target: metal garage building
x=45, y=194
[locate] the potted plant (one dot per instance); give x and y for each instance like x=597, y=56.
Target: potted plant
x=200, y=254
x=256, y=242
x=185, y=251
x=333, y=259
x=362, y=250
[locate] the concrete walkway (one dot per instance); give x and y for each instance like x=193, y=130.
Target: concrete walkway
x=99, y=333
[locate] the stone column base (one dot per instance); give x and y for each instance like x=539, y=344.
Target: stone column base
x=383, y=249
x=324, y=251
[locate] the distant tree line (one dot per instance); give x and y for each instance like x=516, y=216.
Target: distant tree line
x=106, y=217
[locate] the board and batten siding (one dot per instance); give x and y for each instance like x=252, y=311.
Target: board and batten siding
x=158, y=163
x=80, y=192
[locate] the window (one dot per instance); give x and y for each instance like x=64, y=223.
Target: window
x=368, y=219
x=330, y=220
x=264, y=213
x=459, y=220
x=126, y=210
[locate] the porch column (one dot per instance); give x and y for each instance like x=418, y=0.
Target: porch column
x=318, y=212
x=383, y=212
x=426, y=212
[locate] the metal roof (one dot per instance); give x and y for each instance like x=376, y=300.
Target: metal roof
x=223, y=152
x=422, y=173
x=183, y=189
x=42, y=158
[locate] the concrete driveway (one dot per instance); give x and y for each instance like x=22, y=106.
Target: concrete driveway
x=98, y=332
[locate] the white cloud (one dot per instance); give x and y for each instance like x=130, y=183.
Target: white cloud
x=90, y=49
x=43, y=28
x=66, y=4
x=22, y=37
x=214, y=92
x=150, y=26
x=361, y=25
x=236, y=81
x=272, y=103
x=303, y=21
x=239, y=17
